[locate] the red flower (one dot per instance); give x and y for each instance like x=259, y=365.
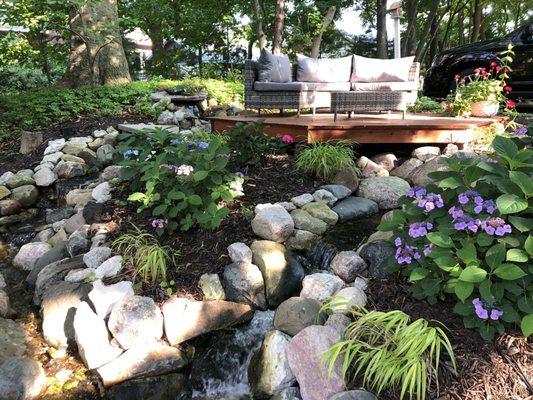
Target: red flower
x=510, y=104
x=494, y=65
x=457, y=77
x=507, y=88
x=476, y=71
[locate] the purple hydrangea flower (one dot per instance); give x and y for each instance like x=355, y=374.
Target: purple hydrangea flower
x=416, y=192
x=456, y=212
x=520, y=131
x=430, y=202
x=202, y=145
x=419, y=229
x=482, y=310
x=468, y=195
x=159, y=223
x=496, y=226
x=130, y=153
x=428, y=248
x=466, y=222
x=488, y=205
x=495, y=314
x=406, y=254
x=398, y=241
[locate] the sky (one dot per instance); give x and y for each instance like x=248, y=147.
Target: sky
x=351, y=23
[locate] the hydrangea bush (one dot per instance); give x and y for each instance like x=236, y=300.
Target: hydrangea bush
x=182, y=178
x=470, y=237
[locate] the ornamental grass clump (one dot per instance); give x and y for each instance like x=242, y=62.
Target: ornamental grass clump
x=385, y=350
x=149, y=259
x=324, y=159
x=470, y=236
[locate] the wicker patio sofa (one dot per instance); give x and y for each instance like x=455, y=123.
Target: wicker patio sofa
x=299, y=95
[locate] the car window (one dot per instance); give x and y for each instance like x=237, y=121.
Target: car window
x=527, y=35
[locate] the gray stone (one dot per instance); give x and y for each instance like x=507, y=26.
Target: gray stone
x=77, y=243
x=143, y=360
x=339, y=322
x=386, y=160
x=102, y=192
x=239, y=252
x=347, y=265
x=450, y=150
x=29, y=254
x=95, y=257
x=339, y=191
x=74, y=223
x=2, y=281
x=56, y=253
x=19, y=179
x=20, y=217
x=287, y=205
x=79, y=275
x=53, y=273
x=324, y=196
x=281, y=271
x=21, y=379
x=348, y=177
x=305, y=221
x=4, y=192
x=14, y=341
x=9, y=207
x=354, y=395
x=109, y=267
x=92, y=338
x=79, y=197
x=5, y=306
x=135, y=320
x=384, y=190
x=322, y=212
x=406, y=168
x=269, y=370
x=54, y=146
x=99, y=133
x=301, y=240
x=419, y=176
x=5, y=177
x=113, y=172
x=321, y=286
x=71, y=169
x=292, y=393
x=302, y=200
x=73, y=147
x=370, y=169
x=164, y=387
x=96, y=143
x=348, y=297
x=70, y=157
x=305, y=360
x=26, y=195
x=166, y=118
x=211, y=287
x=273, y=223
x=105, y=153
x=295, y=314
x=47, y=165
x=426, y=153
x=377, y=255
x=52, y=158
x=186, y=319
x=104, y=297
x=243, y=283
x=57, y=310
x=58, y=214
x=355, y=207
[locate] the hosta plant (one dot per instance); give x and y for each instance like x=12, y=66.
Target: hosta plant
x=470, y=236
x=181, y=178
x=385, y=350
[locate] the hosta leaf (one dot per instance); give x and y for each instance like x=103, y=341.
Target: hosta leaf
x=473, y=274
x=509, y=272
x=511, y=204
x=463, y=290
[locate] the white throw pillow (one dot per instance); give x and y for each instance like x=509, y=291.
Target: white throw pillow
x=323, y=69
x=274, y=67
x=378, y=70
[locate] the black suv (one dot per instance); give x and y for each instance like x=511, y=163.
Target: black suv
x=440, y=78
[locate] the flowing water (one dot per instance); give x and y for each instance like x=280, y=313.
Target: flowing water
x=352, y=234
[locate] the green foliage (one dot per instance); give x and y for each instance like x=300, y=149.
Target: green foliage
x=17, y=78
x=182, y=179
x=326, y=159
x=249, y=143
x=387, y=351
x=148, y=258
x=483, y=254
x=425, y=104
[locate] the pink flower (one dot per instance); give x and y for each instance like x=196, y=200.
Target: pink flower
x=159, y=223
x=507, y=88
x=510, y=104
x=287, y=139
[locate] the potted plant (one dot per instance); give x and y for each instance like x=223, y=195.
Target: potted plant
x=481, y=94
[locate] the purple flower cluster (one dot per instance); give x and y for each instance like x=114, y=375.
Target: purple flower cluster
x=470, y=195
x=428, y=248
x=482, y=311
x=496, y=226
x=159, y=223
x=201, y=145
x=456, y=212
x=488, y=205
x=466, y=222
x=419, y=229
x=520, y=131
x=430, y=201
x=406, y=254
x=416, y=192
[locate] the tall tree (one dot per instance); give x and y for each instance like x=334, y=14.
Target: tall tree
x=381, y=28
x=279, y=23
x=258, y=22
x=96, y=52
x=317, y=39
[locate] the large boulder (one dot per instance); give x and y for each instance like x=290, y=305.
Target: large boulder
x=324, y=196
x=151, y=358
x=301, y=240
x=20, y=179
x=109, y=267
x=282, y=273
x=406, y=168
x=322, y=212
x=44, y=177
x=4, y=192
x=339, y=322
x=243, y=283
x=426, y=153
x=211, y=287
x=30, y=141
x=21, y=379
x=92, y=338
x=14, y=340
x=302, y=200
x=351, y=296
x=377, y=256
x=419, y=176
x=269, y=370
x=305, y=359
x=370, y=169
x=348, y=177
x=29, y=254
x=135, y=320
x=355, y=207
x=305, y=221
x=104, y=297
x=53, y=273
x=339, y=191
x=295, y=314
x=77, y=242
x=384, y=190
x=71, y=169
x=239, y=252
x=347, y=265
x=102, y=192
x=58, y=309
x=26, y=195
x=186, y=319
x=273, y=223
x=9, y=207
x=321, y=286
x=56, y=253
x=95, y=257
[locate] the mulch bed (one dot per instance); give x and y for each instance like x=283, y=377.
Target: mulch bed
x=487, y=371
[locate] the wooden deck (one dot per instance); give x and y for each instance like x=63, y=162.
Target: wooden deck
x=366, y=128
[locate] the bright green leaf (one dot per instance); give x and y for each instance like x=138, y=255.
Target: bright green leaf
x=418, y=274
x=511, y=204
x=495, y=255
x=527, y=325
x=473, y=274
x=440, y=239
x=516, y=255
x=509, y=272
x=463, y=290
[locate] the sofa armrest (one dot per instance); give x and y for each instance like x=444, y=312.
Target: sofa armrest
x=414, y=72
x=250, y=75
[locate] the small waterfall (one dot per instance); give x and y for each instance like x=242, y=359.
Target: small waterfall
x=221, y=372
x=322, y=254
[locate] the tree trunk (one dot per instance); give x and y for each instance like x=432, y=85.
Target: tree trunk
x=381, y=28
x=200, y=62
x=249, y=51
x=258, y=20
x=317, y=39
x=96, y=53
x=158, y=48
x=461, y=27
x=410, y=33
x=422, y=43
x=434, y=39
x=477, y=17
x=279, y=21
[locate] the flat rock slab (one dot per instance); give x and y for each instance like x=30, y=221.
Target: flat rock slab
x=143, y=127
x=355, y=207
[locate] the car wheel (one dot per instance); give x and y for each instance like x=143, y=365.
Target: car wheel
x=468, y=75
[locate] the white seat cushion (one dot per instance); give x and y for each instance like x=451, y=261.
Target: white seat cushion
x=301, y=86
x=323, y=69
x=384, y=86
x=378, y=70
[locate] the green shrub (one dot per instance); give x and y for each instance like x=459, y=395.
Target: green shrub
x=425, y=104
x=470, y=237
x=326, y=159
x=148, y=258
x=183, y=179
x=249, y=143
x=13, y=78
x=388, y=351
